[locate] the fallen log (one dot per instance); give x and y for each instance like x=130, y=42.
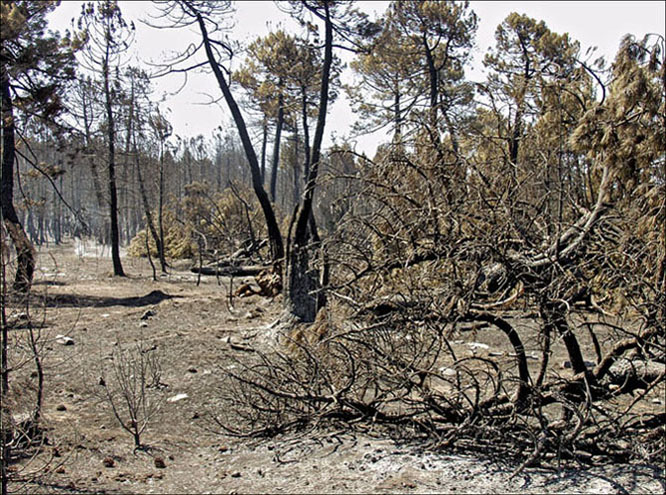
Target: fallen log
x=228, y=271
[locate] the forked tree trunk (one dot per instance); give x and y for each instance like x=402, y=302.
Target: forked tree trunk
x=302, y=296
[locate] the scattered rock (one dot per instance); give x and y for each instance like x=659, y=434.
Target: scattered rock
x=64, y=340
x=61, y=407
x=148, y=314
x=143, y=324
x=60, y=470
x=236, y=474
x=177, y=397
x=478, y=345
x=21, y=320
x=567, y=364
x=109, y=462
x=192, y=370
x=159, y=463
x=447, y=371
x=223, y=448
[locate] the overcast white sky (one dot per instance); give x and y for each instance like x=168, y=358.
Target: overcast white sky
x=592, y=23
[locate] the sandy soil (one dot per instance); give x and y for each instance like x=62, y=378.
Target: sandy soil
x=191, y=327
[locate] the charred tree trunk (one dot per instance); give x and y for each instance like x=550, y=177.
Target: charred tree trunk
x=160, y=207
x=302, y=288
x=264, y=139
x=25, y=251
x=276, y=145
x=113, y=193
x=274, y=235
x=296, y=170
x=306, y=131
x=150, y=224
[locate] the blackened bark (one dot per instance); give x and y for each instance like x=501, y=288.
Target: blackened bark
x=25, y=252
x=433, y=80
x=397, y=113
x=149, y=216
x=276, y=145
x=113, y=193
x=274, y=235
x=554, y=315
x=306, y=131
x=160, y=204
x=296, y=170
x=264, y=139
x=302, y=288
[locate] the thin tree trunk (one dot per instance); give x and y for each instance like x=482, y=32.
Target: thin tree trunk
x=274, y=235
x=264, y=139
x=306, y=132
x=296, y=169
x=276, y=144
x=160, y=203
x=113, y=195
x=149, y=216
x=87, y=118
x=397, y=114
x=433, y=83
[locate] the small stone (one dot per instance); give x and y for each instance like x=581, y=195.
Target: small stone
x=223, y=448
x=61, y=407
x=143, y=324
x=177, y=397
x=236, y=474
x=148, y=314
x=109, y=462
x=192, y=370
x=64, y=340
x=60, y=470
x=478, y=345
x=159, y=463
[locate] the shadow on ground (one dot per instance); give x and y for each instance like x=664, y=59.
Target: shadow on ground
x=86, y=301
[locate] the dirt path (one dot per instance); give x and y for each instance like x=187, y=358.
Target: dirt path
x=191, y=328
